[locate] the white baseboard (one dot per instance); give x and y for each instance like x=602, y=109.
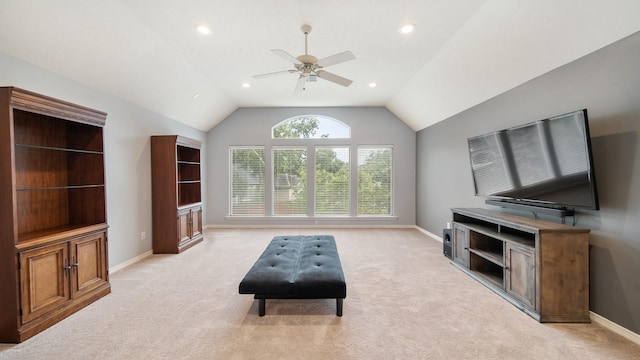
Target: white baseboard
x=130, y=261
x=624, y=332
x=272, y=226
x=439, y=238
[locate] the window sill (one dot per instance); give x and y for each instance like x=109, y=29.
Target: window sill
x=317, y=219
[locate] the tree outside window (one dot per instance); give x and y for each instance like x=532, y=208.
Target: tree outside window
x=374, y=180
x=247, y=181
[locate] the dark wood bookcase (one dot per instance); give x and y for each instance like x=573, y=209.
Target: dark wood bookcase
x=53, y=222
x=176, y=193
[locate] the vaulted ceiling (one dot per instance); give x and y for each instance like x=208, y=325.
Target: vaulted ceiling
x=461, y=53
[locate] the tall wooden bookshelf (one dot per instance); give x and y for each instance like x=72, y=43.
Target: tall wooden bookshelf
x=176, y=193
x=53, y=221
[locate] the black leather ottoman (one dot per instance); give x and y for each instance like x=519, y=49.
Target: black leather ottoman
x=297, y=267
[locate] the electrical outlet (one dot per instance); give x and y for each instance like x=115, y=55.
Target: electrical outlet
x=143, y=235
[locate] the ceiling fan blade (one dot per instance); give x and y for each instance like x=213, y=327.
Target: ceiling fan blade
x=336, y=59
x=333, y=78
x=285, y=55
x=260, y=76
x=299, y=84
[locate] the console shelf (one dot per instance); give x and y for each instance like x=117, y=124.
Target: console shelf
x=541, y=267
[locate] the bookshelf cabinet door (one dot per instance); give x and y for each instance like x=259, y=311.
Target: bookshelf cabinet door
x=184, y=226
x=44, y=274
x=88, y=264
x=196, y=222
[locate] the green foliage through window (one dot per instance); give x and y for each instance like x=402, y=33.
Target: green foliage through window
x=311, y=127
x=332, y=181
x=374, y=180
x=290, y=181
x=247, y=181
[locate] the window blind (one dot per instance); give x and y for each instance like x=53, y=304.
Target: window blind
x=374, y=180
x=247, y=180
x=332, y=181
x=289, y=181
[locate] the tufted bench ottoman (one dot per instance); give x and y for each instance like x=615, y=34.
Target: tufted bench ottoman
x=297, y=267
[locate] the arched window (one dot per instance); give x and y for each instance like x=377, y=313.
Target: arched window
x=311, y=127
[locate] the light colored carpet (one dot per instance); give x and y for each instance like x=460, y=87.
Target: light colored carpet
x=404, y=301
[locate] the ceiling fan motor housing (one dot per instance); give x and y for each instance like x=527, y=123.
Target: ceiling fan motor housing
x=307, y=59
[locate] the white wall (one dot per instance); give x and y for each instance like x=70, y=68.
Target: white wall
x=127, y=152
x=369, y=126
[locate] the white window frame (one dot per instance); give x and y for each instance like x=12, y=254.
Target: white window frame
x=232, y=173
x=391, y=179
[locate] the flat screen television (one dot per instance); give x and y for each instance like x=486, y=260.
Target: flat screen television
x=545, y=163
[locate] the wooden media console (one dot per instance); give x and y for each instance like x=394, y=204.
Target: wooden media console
x=539, y=266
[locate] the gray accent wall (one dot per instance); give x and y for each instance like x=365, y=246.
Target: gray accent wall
x=127, y=152
x=607, y=84
x=252, y=127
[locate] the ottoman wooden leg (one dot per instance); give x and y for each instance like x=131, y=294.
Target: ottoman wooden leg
x=261, y=306
x=339, y=307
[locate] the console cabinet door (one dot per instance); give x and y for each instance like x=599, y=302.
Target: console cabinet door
x=184, y=225
x=520, y=274
x=88, y=264
x=461, y=245
x=44, y=279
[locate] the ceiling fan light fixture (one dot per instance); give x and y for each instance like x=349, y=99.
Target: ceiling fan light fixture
x=203, y=29
x=408, y=28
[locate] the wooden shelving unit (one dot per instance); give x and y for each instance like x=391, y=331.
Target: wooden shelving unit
x=177, y=194
x=540, y=267
x=53, y=228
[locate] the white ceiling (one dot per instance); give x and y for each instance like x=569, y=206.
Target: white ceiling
x=462, y=52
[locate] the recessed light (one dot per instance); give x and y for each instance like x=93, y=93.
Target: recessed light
x=246, y=85
x=407, y=28
x=196, y=95
x=203, y=29
x=372, y=84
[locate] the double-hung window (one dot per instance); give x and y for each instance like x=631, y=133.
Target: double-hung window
x=374, y=180
x=247, y=180
x=332, y=181
x=290, y=181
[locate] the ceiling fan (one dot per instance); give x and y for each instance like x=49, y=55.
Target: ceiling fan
x=309, y=68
